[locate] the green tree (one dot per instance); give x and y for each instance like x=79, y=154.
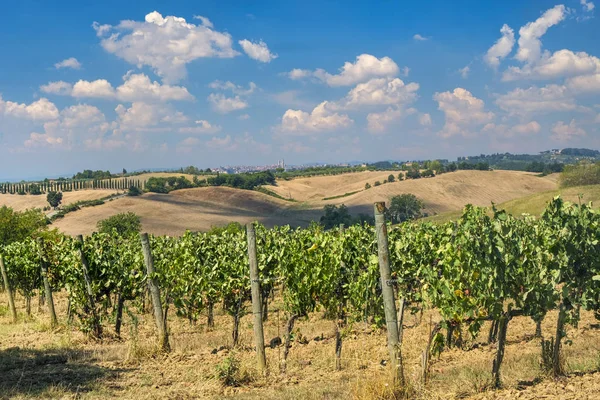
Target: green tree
x=391, y=178
x=377, y=183
x=134, y=191
x=367, y=186
x=400, y=176
x=17, y=226
x=334, y=216
x=35, y=190
x=405, y=207
x=54, y=198
x=124, y=224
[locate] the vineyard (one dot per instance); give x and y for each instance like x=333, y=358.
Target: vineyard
x=478, y=269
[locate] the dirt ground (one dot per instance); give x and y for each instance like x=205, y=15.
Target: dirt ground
x=39, y=362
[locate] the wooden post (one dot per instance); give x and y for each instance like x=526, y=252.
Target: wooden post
x=259, y=337
x=339, y=318
x=387, y=291
x=161, y=323
x=88, y=287
x=47, y=288
x=11, y=299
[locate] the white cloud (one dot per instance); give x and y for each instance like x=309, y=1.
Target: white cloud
x=244, y=117
x=205, y=21
x=59, y=87
x=40, y=110
x=140, y=116
x=529, y=128
x=563, y=132
x=257, y=51
x=321, y=119
x=501, y=48
x=425, y=119
x=464, y=72
x=584, y=83
x=99, y=88
x=534, y=100
x=530, y=34
x=136, y=87
x=364, y=68
x=236, y=89
x=464, y=112
x=587, y=5
x=378, y=122
x=201, y=127
x=420, y=37
x=381, y=91
x=68, y=63
x=224, y=104
x=42, y=140
x=165, y=44
x=561, y=63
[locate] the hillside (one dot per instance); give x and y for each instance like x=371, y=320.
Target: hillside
x=20, y=203
x=535, y=203
x=202, y=208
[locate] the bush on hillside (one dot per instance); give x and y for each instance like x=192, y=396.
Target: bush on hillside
x=581, y=174
x=124, y=224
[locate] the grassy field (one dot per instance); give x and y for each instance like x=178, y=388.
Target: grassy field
x=202, y=208
x=535, y=203
x=39, y=362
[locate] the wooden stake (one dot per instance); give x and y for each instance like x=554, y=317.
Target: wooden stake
x=11, y=299
x=259, y=337
x=47, y=288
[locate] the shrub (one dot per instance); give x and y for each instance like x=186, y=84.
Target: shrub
x=391, y=178
x=580, y=175
x=400, y=176
x=35, y=190
x=405, y=207
x=367, y=186
x=229, y=371
x=123, y=224
x=377, y=183
x=134, y=191
x=427, y=173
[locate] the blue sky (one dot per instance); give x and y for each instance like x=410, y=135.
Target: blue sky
x=152, y=84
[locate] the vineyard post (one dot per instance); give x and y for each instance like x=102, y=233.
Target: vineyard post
x=88, y=289
x=11, y=300
x=339, y=318
x=47, y=288
x=161, y=323
x=387, y=291
x=259, y=337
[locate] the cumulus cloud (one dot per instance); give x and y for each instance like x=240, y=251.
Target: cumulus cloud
x=141, y=116
x=563, y=132
x=136, y=87
x=223, y=104
x=59, y=87
x=42, y=140
x=464, y=113
x=166, y=44
x=530, y=34
x=201, y=127
x=501, y=48
x=506, y=131
x=364, y=68
x=534, y=100
x=420, y=38
x=39, y=110
x=584, y=83
x=381, y=91
x=378, y=122
x=550, y=66
x=68, y=63
x=205, y=21
x=257, y=51
x=321, y=119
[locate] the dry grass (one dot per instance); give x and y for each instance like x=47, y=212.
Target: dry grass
x=20, y=203
x=62, y=363
x=202, y=208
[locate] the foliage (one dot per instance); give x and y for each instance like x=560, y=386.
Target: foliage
x=391, y=178
x=166, y=185
x=581, y=174
x=35, y=190
x=334, y=216
x=19, y=225
x=367, y=186
x=134, y=191
x=404, y=207
x=123, y=224
x=54, y=198
x=89, y=174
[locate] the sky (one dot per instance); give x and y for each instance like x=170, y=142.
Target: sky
x=166, y=84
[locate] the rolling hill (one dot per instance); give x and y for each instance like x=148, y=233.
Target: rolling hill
x=202, y=208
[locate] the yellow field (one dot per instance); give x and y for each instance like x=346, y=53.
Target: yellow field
x=202, y=208
x=20, y=203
